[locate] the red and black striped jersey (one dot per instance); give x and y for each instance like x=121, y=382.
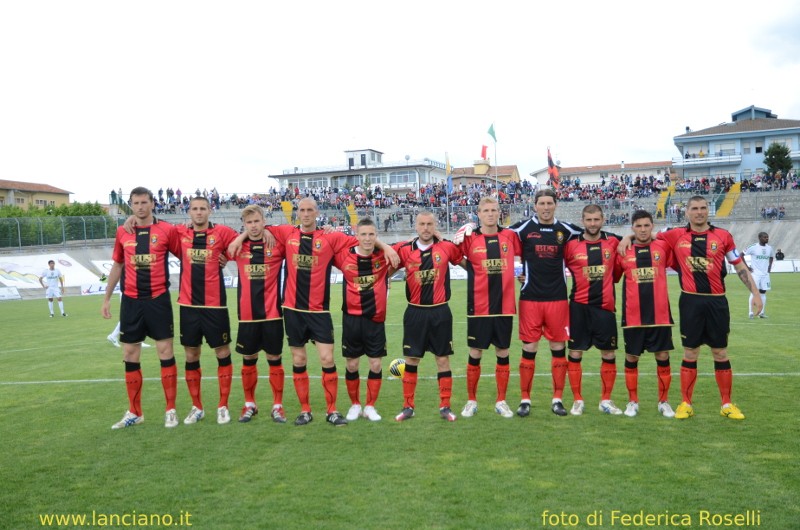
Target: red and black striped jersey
x=202, y=282
x=365, y=283
x=543, y=258
x=309, y=261
x=428, y=271
x=591, y=264
x=491, y=288
x=699, y=258
x=143, y=254
x=258, y=291
x=645, y=300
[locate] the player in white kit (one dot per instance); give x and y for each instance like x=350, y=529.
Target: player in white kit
x=53, y=282
x=761, y=256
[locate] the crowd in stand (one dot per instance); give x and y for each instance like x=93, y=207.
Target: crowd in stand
x=775, y=182
x=619, y=187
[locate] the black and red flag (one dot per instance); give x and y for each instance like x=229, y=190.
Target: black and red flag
x=552, y=170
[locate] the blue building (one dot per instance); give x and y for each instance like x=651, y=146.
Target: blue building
x=735, y=149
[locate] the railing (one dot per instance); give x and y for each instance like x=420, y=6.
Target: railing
x=19, y=232
x=707, y=159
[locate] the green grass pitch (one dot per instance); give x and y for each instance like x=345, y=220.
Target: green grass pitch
x=61, y=388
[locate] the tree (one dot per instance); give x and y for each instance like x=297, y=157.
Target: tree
x=777, y=159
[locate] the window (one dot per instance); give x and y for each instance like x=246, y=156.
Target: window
x=364, y=159
x=319, y=182
x=376, y=178
x=402, y=177
x=19, y=201
x=372, y=157
x=726, y=149
x=759, y=147
x=786, y=142
x=745, y=148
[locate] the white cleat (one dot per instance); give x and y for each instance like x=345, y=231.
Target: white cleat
x=470, y=409
x=354, y=412
x=170, y=419
x=113, y=340
x=608, y=407
x=502, y=408
x=129, y=419
x=632, y=409
x=665, y=410
x=577, y=408
x=145, y=345
x=223, y=415
x=371, y=414
x=194, y=416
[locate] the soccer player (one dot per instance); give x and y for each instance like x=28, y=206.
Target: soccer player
x=543, y=307
x=260, y=315
x=140, y=265
x=203, y=304
x=427, y=321
x=699, y=254
x=53, y=283
x=364, y=291
x=761, y=258
x=491, y=301
x=646, y=316
x=590, y=259
x=113, y=337
x=306, y=301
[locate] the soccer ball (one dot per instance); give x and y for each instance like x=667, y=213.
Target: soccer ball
x=397, y=367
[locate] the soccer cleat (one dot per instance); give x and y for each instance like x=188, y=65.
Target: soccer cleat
x=145, y=345
x=608, y=407
x=354, y=412
x=304, y=418
x=558, y=408
x=194, y=416
x=371, y=414
x=577, y=408
x=170, y=419
x=729, y=410
x=51, y=315
x=447, y=414
x=470, y=409
x=223, y=415
x=502, y=408
x=524, y=409
x=632, y=409
x=247, y=414
x=685, y=410
x=278, y=415
x=762, y=315
x=129, y=419
x=336, y=419
x=665, y=410
x=751, y=316
x=64, y=314
x=406, y=414
x=113, y=340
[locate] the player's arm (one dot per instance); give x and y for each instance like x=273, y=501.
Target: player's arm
x=41, y=282
x=61, y=278
x=113, y=279
x=391, y=255
x=769, y=267
x=744, y=274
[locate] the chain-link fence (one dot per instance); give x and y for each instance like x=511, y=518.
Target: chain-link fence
x=20, y=232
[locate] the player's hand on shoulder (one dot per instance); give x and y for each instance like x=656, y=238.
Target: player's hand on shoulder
x=463, y=232
x=129, y=224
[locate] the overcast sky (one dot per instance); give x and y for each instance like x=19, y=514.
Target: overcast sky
x=105, y=94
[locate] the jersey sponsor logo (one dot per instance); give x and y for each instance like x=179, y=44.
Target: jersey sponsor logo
x=699, y=264
x=143, y=261
x=426, y=277
x=479, y=250
x=534, y=235
x=304, y=262
x=546, y=251
x=256, y=271
x=644, y=274
x=594, y=272
x=364, y=283
x=199, y=255
x=579, y=257
x=493, y=266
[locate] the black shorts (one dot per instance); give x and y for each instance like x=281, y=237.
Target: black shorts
x=139, y=319
x=213, y=323
x=591, y=326
x=704, y=320
x=483, y=332
x=362, y=336
x=427, y=329
x=266, y=335
x=650, y=338
x=303, y=326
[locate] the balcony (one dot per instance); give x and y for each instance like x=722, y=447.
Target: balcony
x=711, y=159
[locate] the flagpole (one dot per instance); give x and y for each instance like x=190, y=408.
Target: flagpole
x=496, y=182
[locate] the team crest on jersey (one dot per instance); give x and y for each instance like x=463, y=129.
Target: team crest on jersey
x=376, y=265
x=154, y=239
x=504, y=246
x=560, y=236
x=268, y=252
x=607, y=254
x=436, y=257
x=656, y=256
x=317, y=244
x=211, y=240
x=713, y=246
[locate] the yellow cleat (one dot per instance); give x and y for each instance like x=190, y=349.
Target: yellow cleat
x=729, y=410
x=685, y=410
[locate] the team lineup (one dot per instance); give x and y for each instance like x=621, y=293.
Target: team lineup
x=284, y=289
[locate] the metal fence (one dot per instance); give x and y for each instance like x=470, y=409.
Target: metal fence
x=20, y=232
